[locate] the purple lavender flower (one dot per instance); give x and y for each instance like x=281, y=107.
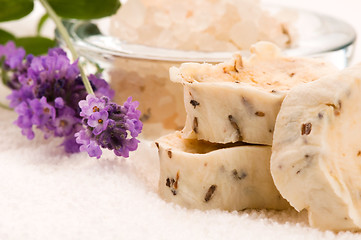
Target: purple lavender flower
x=101, y=87
x=65, y=122
x=13, y=56
x=91, y=105
x=13, y=65
x=46, y=93
x=24, y=120
x=53, y=66
x=19, y=96
x=70, y=145
x=108, y=126
x=83, y=137
x=56, y=52
x=127, y=146
x=93, y=149
x=133, y=124
x=43, y=112
x=98, y=121
x=35, y=112
x=59, y=102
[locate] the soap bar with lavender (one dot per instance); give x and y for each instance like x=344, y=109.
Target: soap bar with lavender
x=239, y=100
x=316, y=152
x=203, y=175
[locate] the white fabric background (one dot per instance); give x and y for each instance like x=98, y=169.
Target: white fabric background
x=45, y=194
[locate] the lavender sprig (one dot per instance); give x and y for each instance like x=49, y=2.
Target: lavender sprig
x=48, y=94
x=47, y=91
x=108, y=125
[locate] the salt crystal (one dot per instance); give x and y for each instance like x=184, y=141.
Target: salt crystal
x=243, y=34
x=129, y=34
x=178, y=11
x=201, y=21
x=165, y=38
x=132, y=13
x=187, y=19
x=149, y=32
x=182, y=32
x=162, y=20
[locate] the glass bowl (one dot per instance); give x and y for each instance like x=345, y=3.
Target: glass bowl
x=142, y=71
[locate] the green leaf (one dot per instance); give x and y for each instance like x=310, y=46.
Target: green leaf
x=5, y=36
x=15, y=9
x=41, y=22
x=84, y=9
x=35, y=45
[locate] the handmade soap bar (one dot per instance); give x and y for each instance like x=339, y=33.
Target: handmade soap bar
x=240, y=99
x=203, y=175
x=316, y=152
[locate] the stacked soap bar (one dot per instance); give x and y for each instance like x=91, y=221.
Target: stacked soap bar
x=239, y=100
x=204, y=175
x=208, y=165
x=316, y=155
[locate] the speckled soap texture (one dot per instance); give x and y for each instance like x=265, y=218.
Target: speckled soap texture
x=239, y=100
x=316, y=151
x=203, y=175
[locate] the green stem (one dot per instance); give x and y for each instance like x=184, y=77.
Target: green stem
x=59, y=25
x=2, y=105
x=4, y=76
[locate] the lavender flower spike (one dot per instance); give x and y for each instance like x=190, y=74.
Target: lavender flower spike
x=46, y=91
x=108, y=125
